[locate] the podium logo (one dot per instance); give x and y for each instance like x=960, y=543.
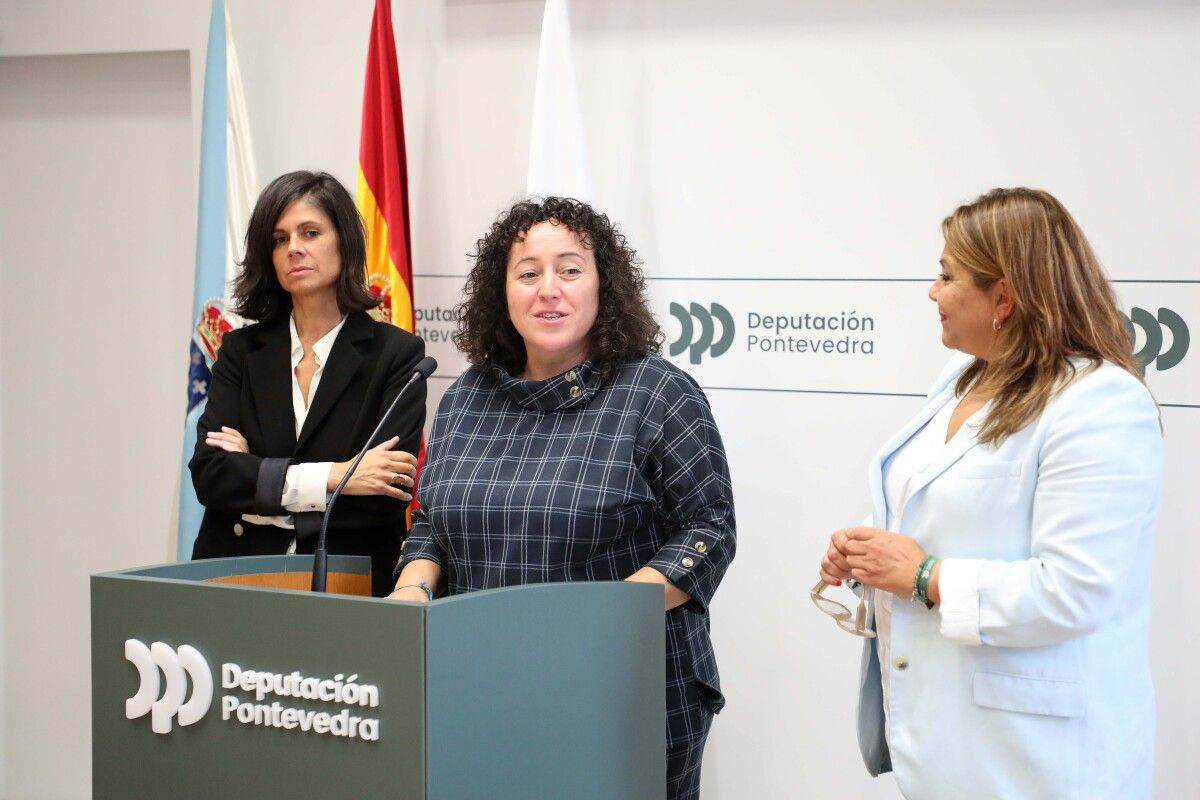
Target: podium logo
x=177, y=666
x=697, y=338
x=1152, y=350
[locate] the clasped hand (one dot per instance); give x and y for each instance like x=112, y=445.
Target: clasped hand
x=874, y=557
x=382, y=471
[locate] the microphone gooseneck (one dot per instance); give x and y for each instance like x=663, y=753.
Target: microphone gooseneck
x=423, y=370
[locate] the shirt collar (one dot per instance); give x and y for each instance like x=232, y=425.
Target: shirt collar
x=571, y=389
x=321, y=347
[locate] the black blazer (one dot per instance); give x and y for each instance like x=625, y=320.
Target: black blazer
x=251, y=391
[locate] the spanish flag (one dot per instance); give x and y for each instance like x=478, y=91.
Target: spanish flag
x=383, y=177
x=383, y=185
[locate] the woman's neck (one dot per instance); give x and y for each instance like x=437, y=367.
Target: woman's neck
x=540, y=369
x=981, y=388
x=540, y=364
x=315, y=316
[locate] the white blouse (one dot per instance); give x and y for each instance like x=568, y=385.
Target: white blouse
x=304, y=488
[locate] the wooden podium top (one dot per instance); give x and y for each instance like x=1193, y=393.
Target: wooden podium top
x=336, y=583
x=348, y=575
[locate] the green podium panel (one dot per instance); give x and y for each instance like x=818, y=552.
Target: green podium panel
x=206, y=689
x=544, y=687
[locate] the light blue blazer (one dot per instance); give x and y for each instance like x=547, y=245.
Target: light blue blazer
x=1032, y=680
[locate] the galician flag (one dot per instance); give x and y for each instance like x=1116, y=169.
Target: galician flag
x=228, y=187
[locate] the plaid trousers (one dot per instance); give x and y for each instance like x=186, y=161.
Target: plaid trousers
x=683, y=764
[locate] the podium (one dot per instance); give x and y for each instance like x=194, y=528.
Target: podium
x=224, y=678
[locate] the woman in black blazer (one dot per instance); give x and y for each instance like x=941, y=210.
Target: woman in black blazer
x=294, y=396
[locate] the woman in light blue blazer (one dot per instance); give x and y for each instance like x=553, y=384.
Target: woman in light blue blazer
x=1007, y=560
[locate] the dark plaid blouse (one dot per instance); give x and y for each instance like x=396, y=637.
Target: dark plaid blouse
x=571, y=479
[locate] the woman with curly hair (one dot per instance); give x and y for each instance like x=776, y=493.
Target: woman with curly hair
x=571, y=451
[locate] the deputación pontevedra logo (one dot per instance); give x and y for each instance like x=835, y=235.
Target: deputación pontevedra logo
x=177, y=666
x=1151, y=351
x=698, y=331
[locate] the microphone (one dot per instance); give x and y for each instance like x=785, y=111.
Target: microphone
x=423, y=370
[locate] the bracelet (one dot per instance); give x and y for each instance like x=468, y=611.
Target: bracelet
x=421, y=585
x=921, y=581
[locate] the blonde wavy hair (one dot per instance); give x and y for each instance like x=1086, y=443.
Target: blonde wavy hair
x=1064, y=307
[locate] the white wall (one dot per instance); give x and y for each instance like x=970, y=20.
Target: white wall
x=54, y=195
x=96, y=255
x=3, y=634
x=766, y=138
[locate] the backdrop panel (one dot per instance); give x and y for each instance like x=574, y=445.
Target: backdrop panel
x=793, y=160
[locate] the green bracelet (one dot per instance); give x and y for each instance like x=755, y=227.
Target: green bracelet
x=921, y=581
x=917, y=577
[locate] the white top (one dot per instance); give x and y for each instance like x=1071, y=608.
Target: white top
x=304, y=488
x=909, y=461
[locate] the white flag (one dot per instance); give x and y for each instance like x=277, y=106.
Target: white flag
x=558, y=162
x=242, y=186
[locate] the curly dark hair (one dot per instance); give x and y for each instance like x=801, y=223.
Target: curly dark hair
x=624, y=329
x=257, y=294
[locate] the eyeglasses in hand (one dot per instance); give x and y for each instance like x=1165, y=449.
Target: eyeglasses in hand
x=855, y=623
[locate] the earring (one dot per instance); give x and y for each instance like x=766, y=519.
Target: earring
x=995, y=324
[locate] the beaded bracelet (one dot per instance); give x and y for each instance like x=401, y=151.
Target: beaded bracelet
x=921, y=581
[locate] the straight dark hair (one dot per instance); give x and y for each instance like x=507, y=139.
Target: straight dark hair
x=257, y=294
